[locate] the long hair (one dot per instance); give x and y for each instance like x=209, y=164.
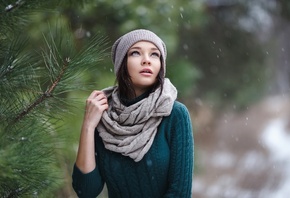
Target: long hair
x=125, y=85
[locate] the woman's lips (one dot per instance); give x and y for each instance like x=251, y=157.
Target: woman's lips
x=146, y=71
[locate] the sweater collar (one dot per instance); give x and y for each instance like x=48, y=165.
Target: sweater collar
x=129, y=102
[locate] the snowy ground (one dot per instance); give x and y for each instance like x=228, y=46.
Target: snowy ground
x=245, y=155
x=276, y=137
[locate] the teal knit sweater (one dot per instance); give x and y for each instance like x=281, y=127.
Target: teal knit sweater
x=165, y=171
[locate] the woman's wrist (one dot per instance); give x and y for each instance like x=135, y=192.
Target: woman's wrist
x=88, y=128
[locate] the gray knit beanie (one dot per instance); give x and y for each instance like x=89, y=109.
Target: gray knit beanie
x=123, y=44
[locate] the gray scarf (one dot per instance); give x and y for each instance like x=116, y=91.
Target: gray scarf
x=131, y=130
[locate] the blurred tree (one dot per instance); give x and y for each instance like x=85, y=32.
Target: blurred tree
x=278, y=40
x=285, y=8
x=34, y=81
x=227, y=56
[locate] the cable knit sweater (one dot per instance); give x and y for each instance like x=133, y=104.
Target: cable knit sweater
x=165, y=171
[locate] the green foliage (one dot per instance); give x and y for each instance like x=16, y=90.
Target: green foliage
x=228, y=58
x=35, y=80
x=28, y=161
x=184, y=76
x=285, y=9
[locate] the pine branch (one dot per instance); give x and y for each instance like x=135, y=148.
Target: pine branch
x=47, y=94
x=11, y=7
x=34, y=89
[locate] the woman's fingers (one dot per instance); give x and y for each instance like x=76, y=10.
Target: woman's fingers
x=103, y=101
x=97, y=101
x=97, y=96
x=100, y=96
x=95, y=93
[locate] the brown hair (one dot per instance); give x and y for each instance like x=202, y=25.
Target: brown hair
x=125, y=88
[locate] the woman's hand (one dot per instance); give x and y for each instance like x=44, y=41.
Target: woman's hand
x=96, y=104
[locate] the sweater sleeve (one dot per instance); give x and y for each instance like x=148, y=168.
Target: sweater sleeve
x=87, y=185
x=181, y=154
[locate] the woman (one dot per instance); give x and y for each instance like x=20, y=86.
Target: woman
x=136, y=138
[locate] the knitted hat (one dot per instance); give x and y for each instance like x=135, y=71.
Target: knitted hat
x=123, y=44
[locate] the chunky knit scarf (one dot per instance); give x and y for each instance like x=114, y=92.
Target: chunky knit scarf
x=131, y=130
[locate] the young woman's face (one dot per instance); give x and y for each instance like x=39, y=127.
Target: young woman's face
x=143, y=65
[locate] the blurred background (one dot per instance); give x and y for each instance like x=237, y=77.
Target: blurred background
x=229, y=60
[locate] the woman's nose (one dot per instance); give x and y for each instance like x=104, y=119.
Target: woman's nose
x=146, y=60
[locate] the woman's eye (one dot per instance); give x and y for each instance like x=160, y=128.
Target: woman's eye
x=134, y=53
x=155, y=54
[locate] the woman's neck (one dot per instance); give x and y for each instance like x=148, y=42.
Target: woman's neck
x=129, y=101
x=139, y=92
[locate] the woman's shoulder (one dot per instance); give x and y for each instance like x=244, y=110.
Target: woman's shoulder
x=179, y=108
x=178, y=123
x=178, y=113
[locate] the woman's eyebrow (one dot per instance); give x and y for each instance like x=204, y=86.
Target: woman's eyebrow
x=135, y=48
